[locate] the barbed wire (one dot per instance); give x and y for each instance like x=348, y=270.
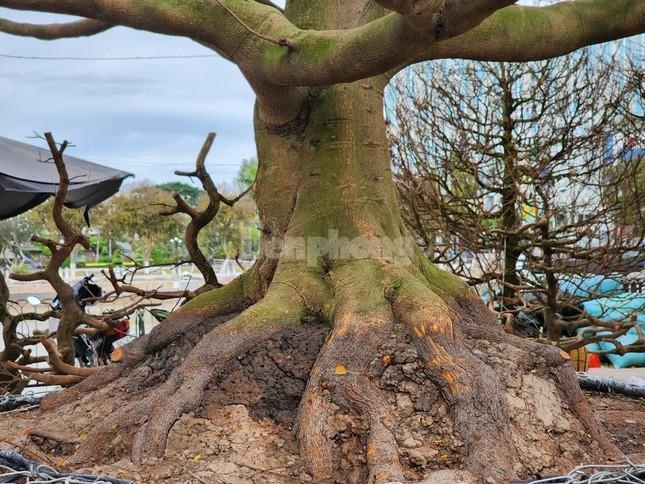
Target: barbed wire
x=622, y=472
x=14, y=466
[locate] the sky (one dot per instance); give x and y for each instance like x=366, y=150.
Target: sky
x=148, y=117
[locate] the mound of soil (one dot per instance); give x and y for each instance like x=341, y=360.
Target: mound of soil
x=243, y=431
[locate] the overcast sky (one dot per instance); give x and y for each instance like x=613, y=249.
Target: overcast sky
x=148, y=117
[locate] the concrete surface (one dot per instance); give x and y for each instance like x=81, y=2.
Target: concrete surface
x=618, y=373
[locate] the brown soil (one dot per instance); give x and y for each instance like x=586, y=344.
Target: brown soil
x=624, y=419
x=243, y=430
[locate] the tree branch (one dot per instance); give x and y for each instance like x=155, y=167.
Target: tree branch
x=200, y=218
x=79, y=28
x=519, y=33
x=263, y=42
x=324, y=57
x=442, y=18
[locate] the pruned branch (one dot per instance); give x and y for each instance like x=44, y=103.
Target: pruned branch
x=80, y=28
x=60, y=366
x=200, y=218
x=71, y=314
x=120, y=287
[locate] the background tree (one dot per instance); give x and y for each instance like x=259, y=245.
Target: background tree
x=513, y=175
x=235, y=234
x=247, y=172
x=318, y=69
x=133, y=216
x=15, y=234
x=189, y=193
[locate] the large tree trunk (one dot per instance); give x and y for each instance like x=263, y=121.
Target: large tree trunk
x=413, y=374
x=413, y=366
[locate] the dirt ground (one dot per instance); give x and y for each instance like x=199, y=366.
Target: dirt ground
x=624, y=419
x=243, y=430
x=202, y=439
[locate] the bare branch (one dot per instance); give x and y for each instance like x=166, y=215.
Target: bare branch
x=232, y=201
x=60, y=366
x=199, y=219
x=55, y=31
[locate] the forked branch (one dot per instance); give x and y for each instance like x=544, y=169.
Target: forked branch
x=200, y=218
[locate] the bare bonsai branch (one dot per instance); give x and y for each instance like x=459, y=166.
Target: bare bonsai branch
x=200, y=218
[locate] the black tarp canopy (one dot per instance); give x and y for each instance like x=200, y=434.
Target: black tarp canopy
x=26, y=181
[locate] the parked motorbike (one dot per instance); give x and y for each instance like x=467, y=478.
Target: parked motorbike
x=84, y=346
x=94, y=350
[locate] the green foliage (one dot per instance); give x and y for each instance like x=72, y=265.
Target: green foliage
x=188, y=192
x=492, y=223
x=14, y=234
x=134, y=216
x=247, y=172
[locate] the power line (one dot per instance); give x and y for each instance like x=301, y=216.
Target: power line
x=149, y=57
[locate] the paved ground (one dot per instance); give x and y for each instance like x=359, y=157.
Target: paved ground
x=621, y=374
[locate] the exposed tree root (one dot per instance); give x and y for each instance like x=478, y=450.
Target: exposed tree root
x=470, y=387
x=485, y=329
x=377, y=312
x=363, y=321
x=235, y=296
x=232, y=298
x=183, y=390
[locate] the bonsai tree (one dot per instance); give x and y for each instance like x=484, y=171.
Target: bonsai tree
x=334, y=242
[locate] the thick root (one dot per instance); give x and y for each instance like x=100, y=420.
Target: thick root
x=382, y=450
x=183, y=390
x=472, y=389
x=363, y=321
x=314, y=413
x=232, y=298
x=482, y=327
x=402, y=367
x=347, y=384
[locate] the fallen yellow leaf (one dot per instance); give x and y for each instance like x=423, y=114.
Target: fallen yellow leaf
x=197, y=457
x=340, y=369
